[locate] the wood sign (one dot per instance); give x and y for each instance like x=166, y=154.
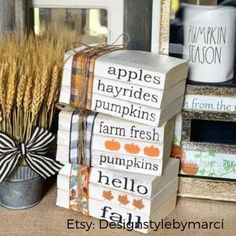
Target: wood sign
x=205, y=139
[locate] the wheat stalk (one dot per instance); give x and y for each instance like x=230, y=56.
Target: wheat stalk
x=20, y=88
x=45, y=81
x=28, y=93
x=2, y=87
x=53, y=87
x=10, y=96
x=11, y=85
x=37, y=96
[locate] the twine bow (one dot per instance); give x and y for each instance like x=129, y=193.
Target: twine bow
x=34, y=152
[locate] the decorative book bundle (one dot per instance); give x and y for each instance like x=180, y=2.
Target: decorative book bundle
x=133, y=85
x=119, y=127
x=117, y=196
x=110, y=142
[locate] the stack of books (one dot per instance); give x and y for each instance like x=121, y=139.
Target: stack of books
x=113, y=143
x=125, y=198
x=134, y=85
x=116, y=152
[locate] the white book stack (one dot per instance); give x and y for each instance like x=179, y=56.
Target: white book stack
x=133, y=85
x=131, y=197
x=114, y=143
x=124, y=139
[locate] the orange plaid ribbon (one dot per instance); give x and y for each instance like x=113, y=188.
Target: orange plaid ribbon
x=83, y=74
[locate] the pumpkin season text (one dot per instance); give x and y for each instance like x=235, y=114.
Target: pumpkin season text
x=205, y=44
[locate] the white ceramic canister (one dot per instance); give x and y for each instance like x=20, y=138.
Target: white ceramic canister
x=209, y=42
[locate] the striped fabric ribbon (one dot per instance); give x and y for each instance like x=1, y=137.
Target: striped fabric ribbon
x=83, y=73
x=81, y=130
x=74, y=138
x=33, y=151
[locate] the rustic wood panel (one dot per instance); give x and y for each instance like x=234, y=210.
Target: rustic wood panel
x=218, y=90
x=138, y=23
x=13, y=16
x=7, y=16
x=207, y=189
x=165, y=27
x=20, y=16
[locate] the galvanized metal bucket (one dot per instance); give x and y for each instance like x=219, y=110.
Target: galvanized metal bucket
x=21, y=189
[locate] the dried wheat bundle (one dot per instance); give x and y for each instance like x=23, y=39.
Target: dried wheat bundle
x=30, y=75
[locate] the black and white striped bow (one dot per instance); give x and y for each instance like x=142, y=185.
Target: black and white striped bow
x=34, y=152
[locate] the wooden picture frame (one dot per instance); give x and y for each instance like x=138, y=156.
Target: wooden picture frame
x=121, y=18
x=220, y=186
x=221, y=190
x=161, y=26
x=128, y=17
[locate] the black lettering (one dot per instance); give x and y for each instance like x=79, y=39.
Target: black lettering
x=148, y=166
x=111, y=70
x=140, y=75
x=120, y=161
x=103, y=224
x=153, y=117
x=142, y=189
x=195, y=224
x=104, y=211
x=109, y=89
x=146, y=97
x=103, y=176
x=112, y=225
x=145, y=225
x=138, y=94
x=70, y=224
x=145, y=115
x=101, y=86
x=132, y=75
x=116, y=181
x=116, y=217
x=155, y=167
x=205, y=225
x=168, y=225
x=115, y=108
x=121, y=73
x=215, y=225
x=147, y=78
x=156, y=80
x=82, y=225
x=154, y=98
x=98, y=104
